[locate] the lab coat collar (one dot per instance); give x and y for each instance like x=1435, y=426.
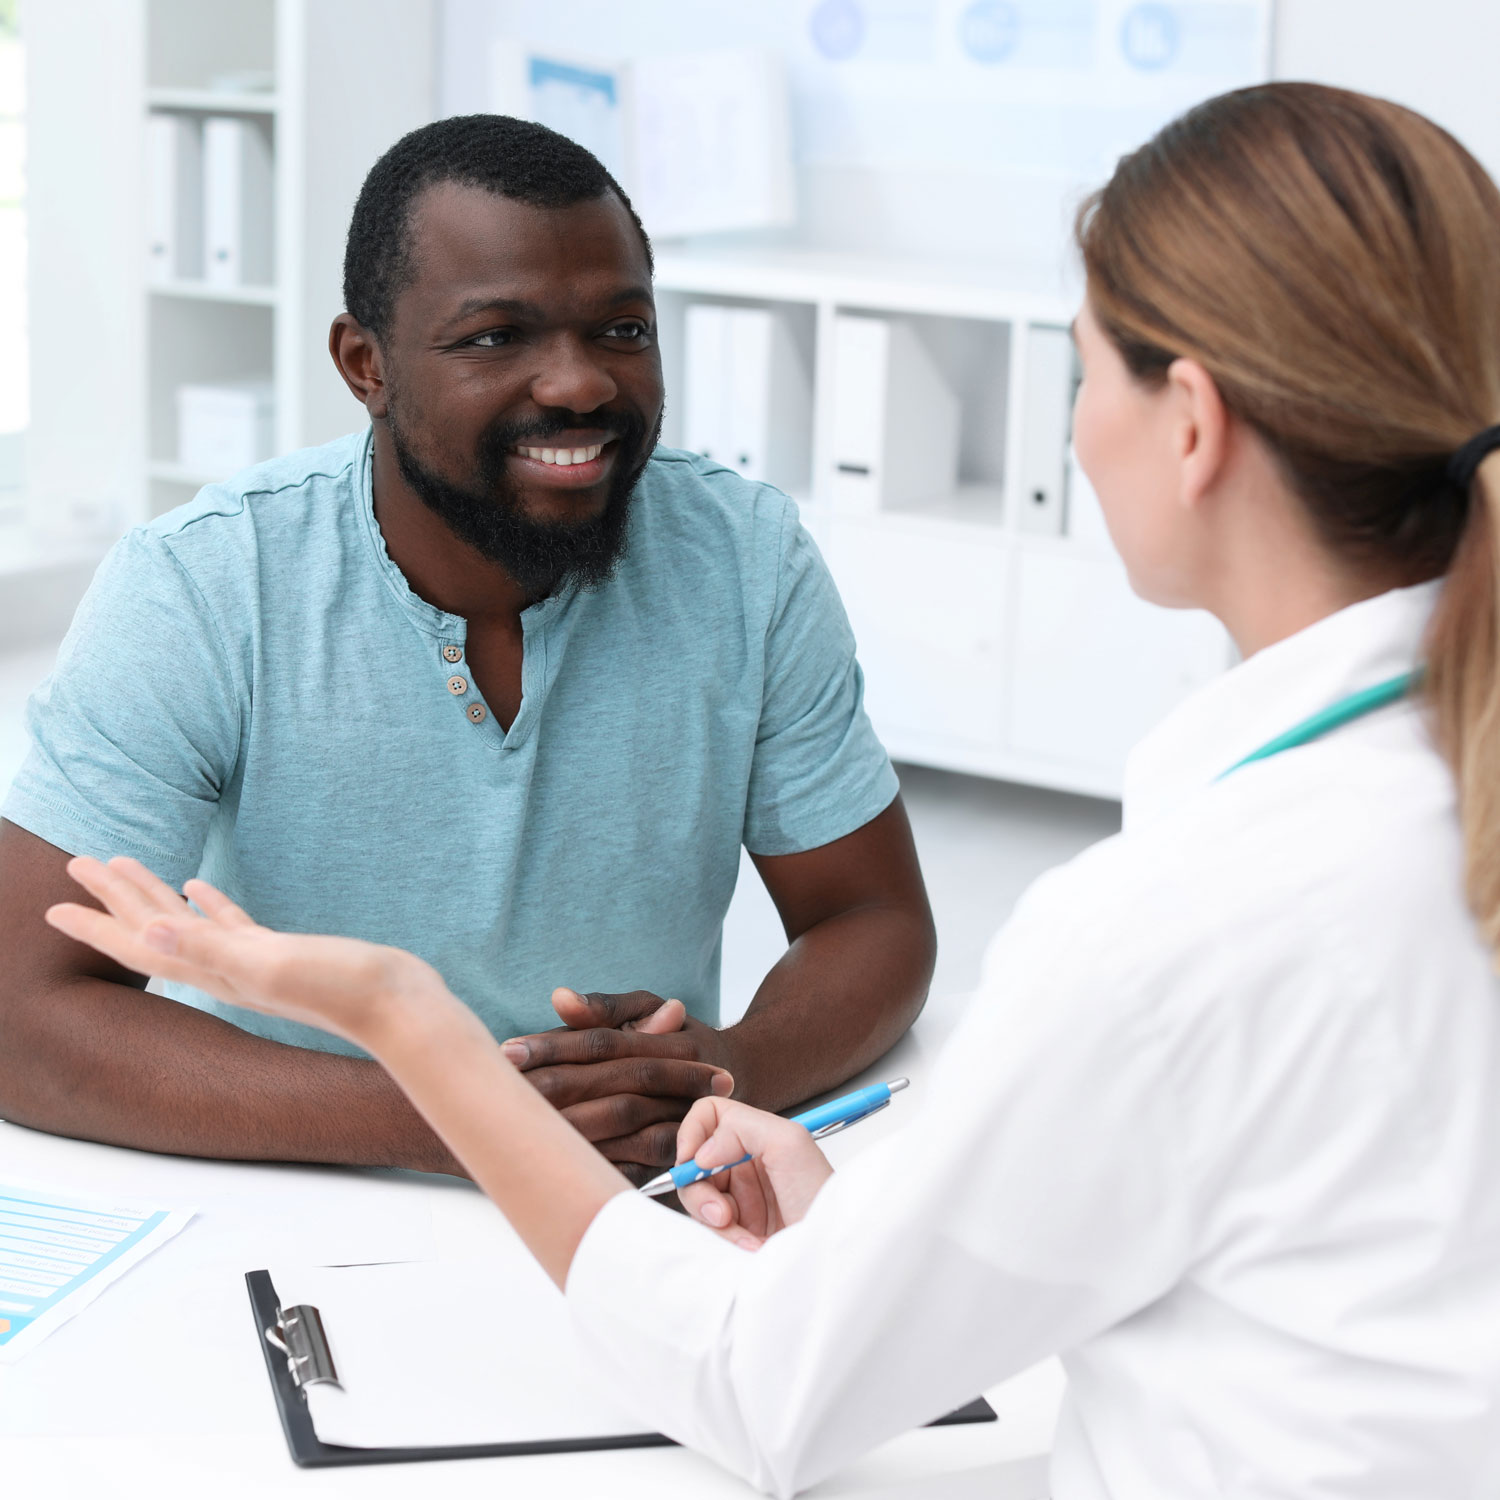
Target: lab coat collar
x=1236, y=714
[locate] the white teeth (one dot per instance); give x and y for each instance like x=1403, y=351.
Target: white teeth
x=563, y=457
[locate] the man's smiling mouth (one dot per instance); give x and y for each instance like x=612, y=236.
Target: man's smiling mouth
x=562, y=457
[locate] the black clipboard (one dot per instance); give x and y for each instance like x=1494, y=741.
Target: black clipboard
x=310, y=1452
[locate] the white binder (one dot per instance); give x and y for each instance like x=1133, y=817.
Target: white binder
x=747, y=393
x=705, y=396
x=174, y=153
x=237, y=194
x=1046, y=418
x=752, y=331
x=895, y=417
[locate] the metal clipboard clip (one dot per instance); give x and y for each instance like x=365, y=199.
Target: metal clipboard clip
x=828, y=1130
x=298, y=1334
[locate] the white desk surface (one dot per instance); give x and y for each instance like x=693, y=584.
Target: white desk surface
x=158, y=1389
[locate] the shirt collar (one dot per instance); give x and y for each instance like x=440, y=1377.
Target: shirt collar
x=1358, y=647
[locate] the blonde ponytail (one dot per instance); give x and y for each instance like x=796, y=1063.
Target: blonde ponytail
x=1463, y=686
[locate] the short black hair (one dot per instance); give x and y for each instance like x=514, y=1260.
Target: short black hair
x=515, y=158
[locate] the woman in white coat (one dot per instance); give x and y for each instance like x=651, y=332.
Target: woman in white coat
x=1223, y=1126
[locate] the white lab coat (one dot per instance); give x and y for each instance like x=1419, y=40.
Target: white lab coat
x=1222, y=1128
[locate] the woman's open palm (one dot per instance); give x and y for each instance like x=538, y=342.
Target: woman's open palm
x=329, y=982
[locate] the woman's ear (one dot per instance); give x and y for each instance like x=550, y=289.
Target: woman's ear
x=1202, y=425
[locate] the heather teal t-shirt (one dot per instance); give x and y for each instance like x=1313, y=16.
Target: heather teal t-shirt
x=252, y=693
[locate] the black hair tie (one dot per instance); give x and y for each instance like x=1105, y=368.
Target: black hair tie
x=1464, y=464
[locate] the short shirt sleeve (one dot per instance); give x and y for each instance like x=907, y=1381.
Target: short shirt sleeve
x=136, y=732
x=819, y=772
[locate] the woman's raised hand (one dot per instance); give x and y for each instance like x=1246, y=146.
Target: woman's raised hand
x=749, y=1203
x=342, y=985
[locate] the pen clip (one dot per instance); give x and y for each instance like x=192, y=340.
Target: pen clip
x=838, y=1125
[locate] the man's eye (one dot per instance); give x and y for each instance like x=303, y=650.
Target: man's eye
x=491, y=340
x=630, y=332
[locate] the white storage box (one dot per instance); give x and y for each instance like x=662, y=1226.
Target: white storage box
x=224, y=428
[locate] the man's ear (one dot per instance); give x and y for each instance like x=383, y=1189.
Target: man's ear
x=1203, y=429
x=357, y=358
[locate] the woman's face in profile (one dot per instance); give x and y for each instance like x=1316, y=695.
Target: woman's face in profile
x=1129, y=436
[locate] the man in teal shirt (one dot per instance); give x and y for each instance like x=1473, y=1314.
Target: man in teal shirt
x=498, y=680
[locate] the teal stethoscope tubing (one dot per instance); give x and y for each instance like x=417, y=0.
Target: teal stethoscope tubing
x=1355, y=706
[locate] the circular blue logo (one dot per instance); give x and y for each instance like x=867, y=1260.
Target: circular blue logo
x=838, y=28
x=1149, y=37
x=987, y=30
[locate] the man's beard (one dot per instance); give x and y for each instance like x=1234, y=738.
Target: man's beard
x=540, y=556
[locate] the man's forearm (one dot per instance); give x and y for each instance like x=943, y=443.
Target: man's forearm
x=843, y=994
x=107, y=1062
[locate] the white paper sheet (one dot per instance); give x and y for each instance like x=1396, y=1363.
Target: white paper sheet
x=440, y=1352
x=58, y=1252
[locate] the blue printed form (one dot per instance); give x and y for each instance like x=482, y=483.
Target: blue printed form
x=57, y=1253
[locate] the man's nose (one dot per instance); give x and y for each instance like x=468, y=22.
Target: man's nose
x=571, y=375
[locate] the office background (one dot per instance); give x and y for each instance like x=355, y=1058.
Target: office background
x=934, y=152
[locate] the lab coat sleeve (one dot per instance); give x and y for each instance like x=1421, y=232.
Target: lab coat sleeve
x=1038, y=1198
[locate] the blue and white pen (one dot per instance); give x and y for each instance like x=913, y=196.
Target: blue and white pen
x=828, y=1119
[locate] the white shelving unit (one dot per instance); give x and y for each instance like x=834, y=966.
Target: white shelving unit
x=986, y=648
x=349, y=77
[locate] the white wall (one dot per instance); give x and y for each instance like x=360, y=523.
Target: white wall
x=930, y=154
x=1441, y=57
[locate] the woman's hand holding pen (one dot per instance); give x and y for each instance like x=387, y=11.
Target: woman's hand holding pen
x=749, y=1203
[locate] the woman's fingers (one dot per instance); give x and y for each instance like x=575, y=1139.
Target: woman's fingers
x=203, y=946
x=339, y=984
x=734, y=1205
x=100, y=930
x=710, y=1202
x=136, y=948
x=110, y=885
x=215, y=904
x=737, y=1130
x=145, y=926
x=156, y=893
x=777, y=1186
x=698, y=1126
x=738, y=1204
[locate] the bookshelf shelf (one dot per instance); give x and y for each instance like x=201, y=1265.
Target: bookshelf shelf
x=213, y=101
x=322, y=142
x=989, y=646
x=178, y=474
x=201, y=291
